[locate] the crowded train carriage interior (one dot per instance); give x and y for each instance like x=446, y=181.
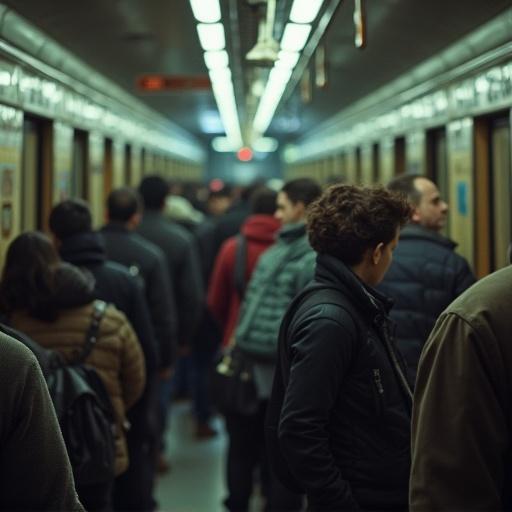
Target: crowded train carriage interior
x=174, y=174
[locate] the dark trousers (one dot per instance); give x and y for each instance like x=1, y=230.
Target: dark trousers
x=133, y=490
x=202, y=361
x=246, y=453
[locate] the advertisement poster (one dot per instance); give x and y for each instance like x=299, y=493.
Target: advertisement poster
x=460, y=175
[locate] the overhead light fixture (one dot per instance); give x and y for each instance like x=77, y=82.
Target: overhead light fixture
x=295, y=37
x=288, y=59
x=265, y=145
x=211, y=37
x=206, y=11
x=305, y=11
x=216, y=60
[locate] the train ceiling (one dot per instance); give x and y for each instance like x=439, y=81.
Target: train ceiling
x=125, y=39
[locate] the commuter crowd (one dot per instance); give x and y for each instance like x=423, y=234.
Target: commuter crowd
x=355, y=362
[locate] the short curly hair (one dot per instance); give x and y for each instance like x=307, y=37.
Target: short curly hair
x=346, y=220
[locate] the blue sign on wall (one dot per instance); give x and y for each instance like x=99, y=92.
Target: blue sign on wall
x=462, y=198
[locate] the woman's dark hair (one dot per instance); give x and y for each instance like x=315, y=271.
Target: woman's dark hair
x=347, y=220
x=28, y=278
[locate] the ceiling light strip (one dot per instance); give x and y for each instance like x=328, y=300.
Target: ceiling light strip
x=213, y=41
x=298, y=40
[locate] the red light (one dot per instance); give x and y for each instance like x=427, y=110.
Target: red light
x=245, y=155
x=216, y=185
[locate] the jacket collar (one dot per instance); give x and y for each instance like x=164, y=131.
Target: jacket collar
x=114, y=227
x=291, y=232
x=415, y=231
x=83, y=249
x=261, y=227
x=331, y=270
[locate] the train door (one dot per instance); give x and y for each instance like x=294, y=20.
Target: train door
x=36, y=175
x=437, y=164
x=493, y=192
x=375, y=163
x=108, y=169
x=399, y=156
x=79, y=176
x=128, y=165
x=501, y=189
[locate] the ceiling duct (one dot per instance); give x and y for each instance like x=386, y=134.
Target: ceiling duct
x=266, y=49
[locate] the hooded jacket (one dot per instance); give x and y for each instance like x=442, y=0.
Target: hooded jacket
x=426, y=275
x=223, y=299
x=462, y=416
x=114, y=284
x=117, y=356
x=344, y=402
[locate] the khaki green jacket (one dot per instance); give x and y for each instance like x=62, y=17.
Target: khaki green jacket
x=461, y=431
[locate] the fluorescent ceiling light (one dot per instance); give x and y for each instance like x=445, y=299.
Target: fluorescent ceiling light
x=206, y=11
x=295, y=37
x=211, y=37
x=216, y=60
x=305, y=11
x=288, y=59
x=223, y=145
x=265, y=145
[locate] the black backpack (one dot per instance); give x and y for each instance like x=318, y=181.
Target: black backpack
x=82, y=404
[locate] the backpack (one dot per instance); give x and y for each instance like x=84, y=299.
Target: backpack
x=82, y=405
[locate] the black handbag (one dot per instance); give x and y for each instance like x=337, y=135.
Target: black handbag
x=233, y=388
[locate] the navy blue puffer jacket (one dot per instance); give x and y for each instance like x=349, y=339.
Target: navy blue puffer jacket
x=425, y=277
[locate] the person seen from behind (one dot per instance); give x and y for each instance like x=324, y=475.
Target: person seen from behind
x=339, y=415
x=53, y=302
x=426, y=274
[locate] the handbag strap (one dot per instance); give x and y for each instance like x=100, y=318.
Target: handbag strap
x=240, y=265
x=91, y=337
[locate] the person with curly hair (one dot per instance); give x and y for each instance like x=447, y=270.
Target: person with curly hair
x=339, y=420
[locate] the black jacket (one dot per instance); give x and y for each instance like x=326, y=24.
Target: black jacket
x=114, y=284
x=147, y=260
x=344, y=427
x=184, y=268
x=425, y=277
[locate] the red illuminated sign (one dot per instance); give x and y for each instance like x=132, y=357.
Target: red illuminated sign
x=151, y=83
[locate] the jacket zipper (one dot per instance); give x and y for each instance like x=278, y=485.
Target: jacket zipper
x=378, y=381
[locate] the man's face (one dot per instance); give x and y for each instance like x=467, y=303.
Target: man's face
x=288, y=212
x=432, y=211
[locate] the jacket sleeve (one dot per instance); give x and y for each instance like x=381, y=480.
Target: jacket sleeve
x=140, y=319
x=132, y=374
x=459, y=429
x=221, y=286
x=163, y=310
x=464, y=277
x=36, y=473
x=190, y=292
x=321, y=352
